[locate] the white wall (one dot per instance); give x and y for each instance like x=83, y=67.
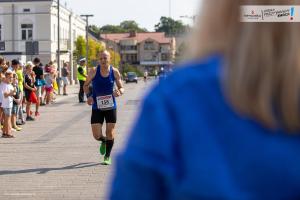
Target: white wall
x=44, y=19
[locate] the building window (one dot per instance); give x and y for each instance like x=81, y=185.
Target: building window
x=164, y=57
x=128, y=48
x=149, y=45
x=129, y=58
x=0, y=32
x=26, y=30
x=26, y=10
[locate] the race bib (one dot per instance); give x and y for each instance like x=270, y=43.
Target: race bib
x=105, y=102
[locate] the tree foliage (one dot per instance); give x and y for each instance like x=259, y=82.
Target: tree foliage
x=115, y=58
x=80, y=47
x=94, y=49
x=111, y=29
x=123, y=27
x=130, y=68
x=131, y=25
x=171, y=27
x=94, y=28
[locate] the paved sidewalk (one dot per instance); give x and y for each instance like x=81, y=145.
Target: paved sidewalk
x=56, y=157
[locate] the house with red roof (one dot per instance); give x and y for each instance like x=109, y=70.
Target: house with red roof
x=148, y=50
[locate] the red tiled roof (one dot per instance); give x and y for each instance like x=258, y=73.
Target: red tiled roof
x=140, y=37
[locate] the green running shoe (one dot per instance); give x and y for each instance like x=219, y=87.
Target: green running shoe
x=107, y=161
x=102, y=148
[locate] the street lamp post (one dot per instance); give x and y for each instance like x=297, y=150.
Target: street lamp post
x=170, y=8
x=87, y=36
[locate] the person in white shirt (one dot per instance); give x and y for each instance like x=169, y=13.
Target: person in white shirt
x=145, y=76
x=2, y=78
x=7, y=103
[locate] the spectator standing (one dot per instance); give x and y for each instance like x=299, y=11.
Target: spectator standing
x=8, y=92
x=16, y=103
x=81, y=76
x=64, y=76
x=39, y=76
x=29, y=88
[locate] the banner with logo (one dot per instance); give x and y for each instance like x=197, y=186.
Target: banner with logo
x=266, y=13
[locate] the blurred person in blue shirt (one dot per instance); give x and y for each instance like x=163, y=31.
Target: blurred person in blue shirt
x=162, y=74
x=225, y=125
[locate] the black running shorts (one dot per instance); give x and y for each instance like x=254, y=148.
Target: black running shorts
x=98, y=116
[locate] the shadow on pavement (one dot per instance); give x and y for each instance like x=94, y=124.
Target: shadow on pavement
x=46, y=170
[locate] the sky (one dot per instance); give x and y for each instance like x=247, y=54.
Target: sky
x=145, y=12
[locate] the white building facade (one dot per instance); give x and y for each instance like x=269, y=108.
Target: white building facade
x=29, y=28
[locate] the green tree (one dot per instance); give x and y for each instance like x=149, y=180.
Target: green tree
x=170, y=26
x=130, y=68
x=115, y=58
x=124, y=27
x=94, y=49
x=111, y=29
x=131, y=25
x=80, y=47
x=94, y=28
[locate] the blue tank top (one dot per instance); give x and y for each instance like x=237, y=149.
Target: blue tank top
x=103, y=88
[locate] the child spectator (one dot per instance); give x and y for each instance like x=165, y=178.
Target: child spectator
x=7, y=103
x=54, y=75
x=64, y=77
x=49, y=84
x=20, y=76
x=16, y=103
x=2, y=77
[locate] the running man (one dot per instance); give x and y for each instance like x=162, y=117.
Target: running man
x=102, y=98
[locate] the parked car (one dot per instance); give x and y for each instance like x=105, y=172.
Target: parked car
x=131, y=77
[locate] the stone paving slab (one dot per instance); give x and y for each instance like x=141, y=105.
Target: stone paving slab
x=56, y=157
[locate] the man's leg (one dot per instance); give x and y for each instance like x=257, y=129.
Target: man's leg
x=66, y=83
x=97, y=131
x=28, y=105
x=81, y=92
x=79, y=99
x=38, y=95
x=65, y=89
x=41, y=97
x=110, y=134
x=97, y=120
x=111, y=119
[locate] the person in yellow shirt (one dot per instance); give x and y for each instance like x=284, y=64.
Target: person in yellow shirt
x=18, y=69
x=81, y=76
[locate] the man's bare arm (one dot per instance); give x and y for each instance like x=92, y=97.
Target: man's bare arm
x=88, y=81
x=119, y=82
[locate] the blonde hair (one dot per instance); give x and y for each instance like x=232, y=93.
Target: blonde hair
x=261, y=61
x=8, y=73
x=105, y=52
x=28, y=66
x=2, y=61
